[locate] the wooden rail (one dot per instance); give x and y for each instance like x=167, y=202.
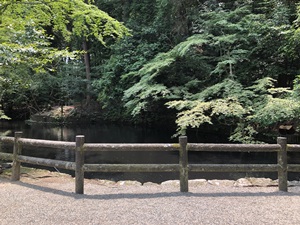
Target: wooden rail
x=183, y=167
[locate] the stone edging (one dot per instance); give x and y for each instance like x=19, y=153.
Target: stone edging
x=242, y=182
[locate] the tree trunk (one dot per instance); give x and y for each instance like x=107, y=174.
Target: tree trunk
x=87, y=71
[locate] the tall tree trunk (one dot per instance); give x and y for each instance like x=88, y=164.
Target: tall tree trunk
x=87, y=71
x=87, y=63
x=181, y=22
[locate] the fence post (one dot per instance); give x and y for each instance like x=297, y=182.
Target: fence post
x=282, y=163
x=183, y=164
x=16, y=166
x=79, y=160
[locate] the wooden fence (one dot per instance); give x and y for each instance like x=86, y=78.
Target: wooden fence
x=183, y=167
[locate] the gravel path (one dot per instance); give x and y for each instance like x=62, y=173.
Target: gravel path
x=51, y=200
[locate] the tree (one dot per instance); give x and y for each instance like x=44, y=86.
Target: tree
x=250, y=111
x=94, y=23
x=36, y=36
x=207, y=77
x=205, y=58
x=157, y=26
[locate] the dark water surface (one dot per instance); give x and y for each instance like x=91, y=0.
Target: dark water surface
x=113, y=133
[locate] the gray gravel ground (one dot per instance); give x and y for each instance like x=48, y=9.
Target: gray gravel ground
x=48, y=201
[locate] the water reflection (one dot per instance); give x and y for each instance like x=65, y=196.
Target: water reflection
x=100, y=133
x=105, y=133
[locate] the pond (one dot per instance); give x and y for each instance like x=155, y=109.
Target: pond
x=114, y=133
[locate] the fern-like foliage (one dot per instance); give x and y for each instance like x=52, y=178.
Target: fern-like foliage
x=199, y=112
x=248, y=110
x=147, y=89
x=276, y=110
x=3, y=116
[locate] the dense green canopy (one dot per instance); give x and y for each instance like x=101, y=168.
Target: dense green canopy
x=232, y=64
x=38, y=39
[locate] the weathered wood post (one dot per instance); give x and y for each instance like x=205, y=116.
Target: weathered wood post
x=16, y=166
x=79, y=160
x=183, y=164
x=282, y=163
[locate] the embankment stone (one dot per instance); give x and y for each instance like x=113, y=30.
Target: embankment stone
x=227, y=183
x=262, y=182
x=197, y=182
x=129, y=183
x=243, y=182
x=173, y=183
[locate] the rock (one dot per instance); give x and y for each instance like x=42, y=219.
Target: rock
x=106, y=182
x=197, y=182
x=147, y=184
x=129, y=183
x=262, y=182
x=257, y=182
x=294, y=183
x=227, y=183
x=173, y=183
x=242, y=182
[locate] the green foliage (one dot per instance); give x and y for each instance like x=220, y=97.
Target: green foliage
x=251, y=112
x=193, y=117
x=2, y=116
x=223, y=89
x=227, y=63
x=225, y=102
x=129, y=55
x=66, y=87
x=207, y=76
x=138, y=96
x=206, y=57
x=296, y=88
x=276, y=110
x=157, y=26
x=244, y=133
x=89, y=21
x=227, y=110
x=35, y=43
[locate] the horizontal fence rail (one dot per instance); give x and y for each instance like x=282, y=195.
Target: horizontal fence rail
x=47, y=162
x=47, y=144
x=131, y=147
x=131, y=167
x=233, y=168
x=6, y=156
x=183, y=167
x=233, y=147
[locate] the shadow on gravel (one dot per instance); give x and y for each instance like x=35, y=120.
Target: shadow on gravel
x=156, y=195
